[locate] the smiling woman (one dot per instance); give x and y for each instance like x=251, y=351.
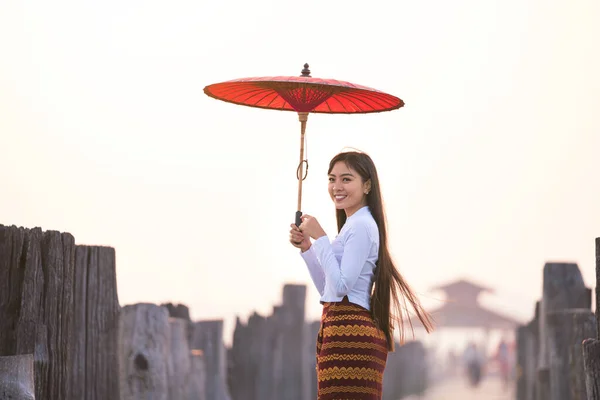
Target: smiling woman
x=358, y=282
x=347, y=188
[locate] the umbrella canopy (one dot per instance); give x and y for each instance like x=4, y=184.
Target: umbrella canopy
x=303, y=94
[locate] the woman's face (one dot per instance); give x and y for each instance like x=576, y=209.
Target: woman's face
x=347, y=189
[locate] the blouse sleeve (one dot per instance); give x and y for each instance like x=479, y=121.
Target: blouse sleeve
x=314, y=269
x=357, y=246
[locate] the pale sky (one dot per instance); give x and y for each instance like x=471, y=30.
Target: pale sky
x=491, y=169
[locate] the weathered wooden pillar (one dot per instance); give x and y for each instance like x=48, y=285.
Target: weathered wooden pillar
x=208, y=337
x=566, y=331
x=532, y=355
x=598, y=286
x=16, y=377
x=310, y=345
x=265, y=330
x=591, y=359
x=250, y=369
x=260, y=376
x=277, y=319
x=591, y=346
x=522, y=351
x=392, y=378
x=178, y=311
x=179, y=360
x=197, y=386
x=36, y=304
x=406, y=371
x=240, y=376
x=585, y=326
x=96, y=322
x=62, y=307
x=275, y=337
x=414, y=361
x=183, y=312
x=293, y=368
x=563, y=288
x=144, y=342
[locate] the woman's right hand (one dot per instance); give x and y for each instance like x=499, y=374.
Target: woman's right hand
x=298, y=239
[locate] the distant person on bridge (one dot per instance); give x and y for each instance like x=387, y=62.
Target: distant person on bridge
x=473, y=361
x=503, y=360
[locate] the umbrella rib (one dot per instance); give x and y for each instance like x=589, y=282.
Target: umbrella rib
x=350, y=99
x=259, y=90
x=328, y=106
x=336, y=99
x=374, y=99
x=384, y=97
x=275, y=98
x=252, y=92
x=234, y=92
x=255, y=92
x=266, y=95
x=353, y=99
x=243, y=102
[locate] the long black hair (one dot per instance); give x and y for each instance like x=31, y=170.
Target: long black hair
x=390, y=287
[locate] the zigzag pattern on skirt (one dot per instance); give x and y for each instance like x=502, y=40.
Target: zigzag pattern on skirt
x=351, y=354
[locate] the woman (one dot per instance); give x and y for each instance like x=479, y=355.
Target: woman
x=358, y=283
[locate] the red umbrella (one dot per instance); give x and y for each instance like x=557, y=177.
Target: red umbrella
x=303, y=94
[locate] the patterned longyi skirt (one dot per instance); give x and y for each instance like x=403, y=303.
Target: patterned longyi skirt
x=351, y=354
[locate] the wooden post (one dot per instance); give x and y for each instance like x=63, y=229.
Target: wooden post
x=144, y=335
x=96, y=320
x=243, y=368
x=563, y=288
x=528, y=357
x=583, y=327
x=598, y=286
x=16, y=377
x=262, y=328
x=275, y=322
x=531, y=356
x=392, y=376
x=542, y=389
x=36, y=305
x=566, y=331
x=591, y=346
x=293, y=369
x=197, y=387
x=591, y=360
x=181, y=311
x=179, y=360
x=60, y=304
x=557, y=346
x=251, y=362
x=312, y=331
x=522, y=344
x=208, y=337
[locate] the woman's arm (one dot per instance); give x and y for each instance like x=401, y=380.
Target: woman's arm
x=357, y=247
x=314, y=269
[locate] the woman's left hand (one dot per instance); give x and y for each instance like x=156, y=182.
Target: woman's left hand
x=311, y=227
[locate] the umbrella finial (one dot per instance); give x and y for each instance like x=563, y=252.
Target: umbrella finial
x=306, y=71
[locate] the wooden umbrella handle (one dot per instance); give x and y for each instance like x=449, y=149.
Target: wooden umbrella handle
x=303, y=117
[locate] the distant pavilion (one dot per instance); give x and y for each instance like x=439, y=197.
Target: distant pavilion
x=461, y=309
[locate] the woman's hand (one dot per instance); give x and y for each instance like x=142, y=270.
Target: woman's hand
x=311, y=227
x=299, y=239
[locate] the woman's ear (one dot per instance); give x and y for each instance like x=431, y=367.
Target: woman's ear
x=367, y=186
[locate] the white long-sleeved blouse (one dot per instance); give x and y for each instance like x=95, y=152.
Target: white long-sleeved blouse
x=345, y=267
